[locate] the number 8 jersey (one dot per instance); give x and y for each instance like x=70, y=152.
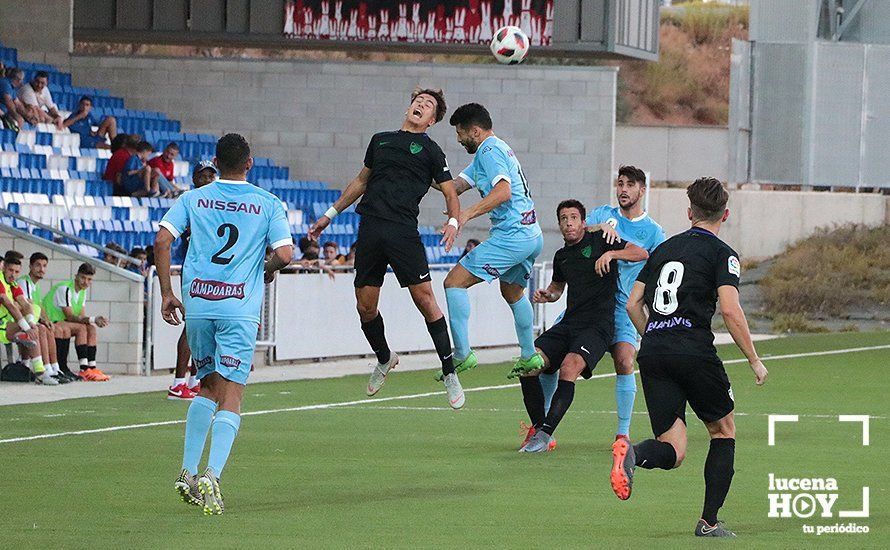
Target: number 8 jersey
x=232, y=223
x=681, y=277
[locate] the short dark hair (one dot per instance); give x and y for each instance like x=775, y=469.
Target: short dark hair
x=471, y=114
x=144, y=146
x=232, y=153
x=172, y=145
x=133, y=140
x=86, y=269
x=633, y=174
x=37, y=256
x=41, y=74
x=119, y=141
x=85, y=98
x=707, y=198
x=438, y=95
x=12, y=260
x=331, y=243
x=137, y=250
x=571, y=203
x=13, y=254
x=474, y=242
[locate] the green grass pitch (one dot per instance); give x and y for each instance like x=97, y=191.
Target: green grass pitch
x=409, y=473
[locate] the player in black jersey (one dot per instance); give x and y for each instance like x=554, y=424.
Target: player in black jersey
x=588, y=265
x=399, y=168
x=671, y=305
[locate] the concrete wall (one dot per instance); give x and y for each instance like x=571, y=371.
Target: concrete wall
x=764, y=223
x=42, y=31
x=317, y=117
x=674, y=153
x=114, y=294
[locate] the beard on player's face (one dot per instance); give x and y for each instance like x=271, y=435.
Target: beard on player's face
x=628, y=195
x=467, y=140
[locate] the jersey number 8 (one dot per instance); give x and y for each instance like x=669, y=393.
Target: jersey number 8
x=669, y=280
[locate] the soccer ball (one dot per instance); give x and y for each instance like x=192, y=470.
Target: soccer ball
x=509, y=45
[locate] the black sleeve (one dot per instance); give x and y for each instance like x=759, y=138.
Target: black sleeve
x=438, y=165
x=558, y=275
x=369, y=154
x=728, y=270
x=644, y=273
x=617, y=245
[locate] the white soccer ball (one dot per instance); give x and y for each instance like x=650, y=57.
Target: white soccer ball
x=509, y=45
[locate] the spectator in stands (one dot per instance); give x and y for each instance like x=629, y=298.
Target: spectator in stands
x=118, y=161
x=332, y=256
x=30, y=285
x=19, y=325
x=471, y=244
x=311, y=252
x=38, y=101
x=117, y=142
x=82, y=121
x=65, y=307
x=111, y=258
x=162, y=168
x=136, y=178
x=141, y=268
x=11, y=118
x=205, y=172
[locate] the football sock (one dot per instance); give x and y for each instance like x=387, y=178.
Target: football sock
x=718, y=477
x=62, y=345
x=459, y=318
x=548, y=385
x=625, y=392
x=224, y=430
x=197, y=424
x=652, y=454
x=523, y=320
x=178, y=381
x=439, y=333
x=193, y=381
x=81, y=350
x=37, y=365
x=533, y=397
x=373, y=330
x=91, y=356
x=562, y=400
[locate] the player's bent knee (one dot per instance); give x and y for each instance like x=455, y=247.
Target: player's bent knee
x=571, y=367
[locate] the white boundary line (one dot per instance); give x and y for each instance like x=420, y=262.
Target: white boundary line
x=321, y=406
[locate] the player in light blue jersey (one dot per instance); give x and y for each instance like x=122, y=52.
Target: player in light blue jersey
x=231, y=223
x=513, y=245
x=629, y=222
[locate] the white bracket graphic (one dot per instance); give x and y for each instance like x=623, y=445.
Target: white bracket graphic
x=857, y=418
x=772, y=419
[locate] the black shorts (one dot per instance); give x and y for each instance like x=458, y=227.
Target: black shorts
x=589, y=341
x=381, y=243
x=669, y=381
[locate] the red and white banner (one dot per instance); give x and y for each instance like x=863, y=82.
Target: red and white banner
x=420, y=21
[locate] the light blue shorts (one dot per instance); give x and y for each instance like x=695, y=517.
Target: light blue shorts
x=625, y=331
x=500, y=258
x=223, y=346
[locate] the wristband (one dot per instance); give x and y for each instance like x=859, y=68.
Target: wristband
x=331, y=213
x=453, y=222
x=31, y=319
x=92, y=320
x=24, y=324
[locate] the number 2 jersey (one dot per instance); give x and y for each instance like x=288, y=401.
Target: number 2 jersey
x=231, y=223
x=681, y=277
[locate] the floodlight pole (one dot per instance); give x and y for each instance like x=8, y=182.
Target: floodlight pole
x=848, y=20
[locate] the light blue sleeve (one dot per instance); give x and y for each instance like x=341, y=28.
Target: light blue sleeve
x=176, y=220
x=493, y=163
x=278, y=233
x=469, y=174
x=599, y=215
x=656, y=237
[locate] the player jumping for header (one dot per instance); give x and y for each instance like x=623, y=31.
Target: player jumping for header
x=231, y=222
x=671, y=305
x=399, y=168
x=514, y=242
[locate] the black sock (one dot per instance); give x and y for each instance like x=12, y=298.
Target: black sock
x=652, y=454
x=373, y=330
x=91, y=353
x=533, y=396
x=718, y=476
x=81, y=350
x=439, y=333
x=562, y=400
x=62, y=346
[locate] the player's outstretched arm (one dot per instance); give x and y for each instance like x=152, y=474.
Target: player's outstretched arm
x=630, y=253
x=737, y=324
x=550, y=294
x=452, y=208
x=636, y=308
x=171, y=307
x=460, y=185
x=353, y=191
x=281, y=258
x=500, y=194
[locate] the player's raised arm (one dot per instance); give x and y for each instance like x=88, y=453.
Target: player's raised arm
x=737, y=325
x=460, y=185
x=629, y=253
x=452, y=208
x=353, y=191
x=636, y=307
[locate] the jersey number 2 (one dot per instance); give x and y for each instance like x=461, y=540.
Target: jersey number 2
x=233, y=238
x=669, y=280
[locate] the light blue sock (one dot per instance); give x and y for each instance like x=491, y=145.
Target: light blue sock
x=197, y=424
x=225, y=428
x=548, y=384
x=625, y=392
x=459, y=318
x=524, y=320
